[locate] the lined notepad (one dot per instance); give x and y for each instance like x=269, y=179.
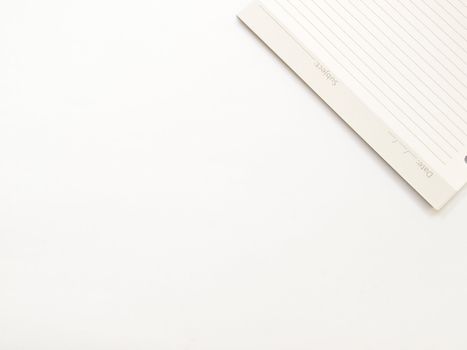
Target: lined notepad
x=394, y=70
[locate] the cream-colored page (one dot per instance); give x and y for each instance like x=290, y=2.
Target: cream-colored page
x=407, y=59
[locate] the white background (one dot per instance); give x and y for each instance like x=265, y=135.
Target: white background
x=167, y=183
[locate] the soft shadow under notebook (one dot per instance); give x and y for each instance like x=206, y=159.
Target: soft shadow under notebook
x=394, y=70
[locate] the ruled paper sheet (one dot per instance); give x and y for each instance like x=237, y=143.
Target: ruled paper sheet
x=407, y=59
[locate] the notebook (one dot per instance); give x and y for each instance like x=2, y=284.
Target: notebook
x=394, y=70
